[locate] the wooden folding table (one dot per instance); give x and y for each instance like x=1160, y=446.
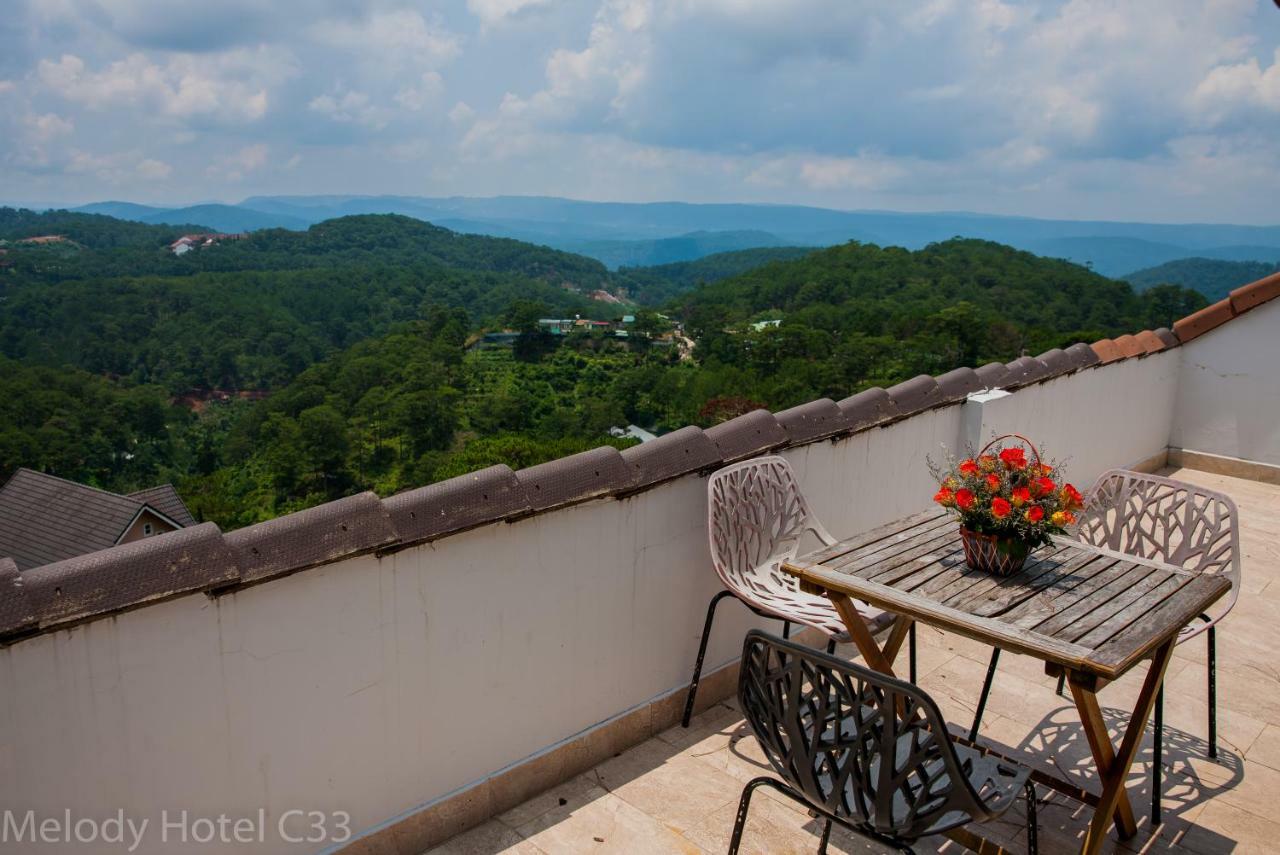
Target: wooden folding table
x=1089, y=612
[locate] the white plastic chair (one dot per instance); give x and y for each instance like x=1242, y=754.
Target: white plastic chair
x=1172, y=522
x=756, y=520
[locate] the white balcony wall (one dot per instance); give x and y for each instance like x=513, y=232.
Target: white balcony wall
x=375, y=686
x=1229, y=389
x=1091, y=421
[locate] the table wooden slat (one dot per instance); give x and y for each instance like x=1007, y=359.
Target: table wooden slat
x=1090, y=610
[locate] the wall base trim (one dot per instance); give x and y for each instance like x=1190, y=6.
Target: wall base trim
x=1220, y=464
x=428, y=825
x=1152, y=464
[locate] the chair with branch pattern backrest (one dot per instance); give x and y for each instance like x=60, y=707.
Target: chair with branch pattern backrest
x=864, y=750
x=756, y=519
x=1170, y=522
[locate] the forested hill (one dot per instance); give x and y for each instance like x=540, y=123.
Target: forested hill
x=1211, y=277
x=659, y=283
x=253, y=313
x=860, y=314
x=93, y=231
x=874, y=289
x=368, y=239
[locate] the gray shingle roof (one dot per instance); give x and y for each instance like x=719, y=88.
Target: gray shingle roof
x=165, y=499
x=44, y=518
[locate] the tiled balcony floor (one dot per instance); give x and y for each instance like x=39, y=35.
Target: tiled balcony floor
x=678, y=792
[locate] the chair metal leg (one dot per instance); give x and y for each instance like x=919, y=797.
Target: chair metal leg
x=1033, y=843
x=786, y=629
x=1213, y=695
x=911, y=651
x=1062, y=683
x=702, y=653
x=1157, y=758
x=826, y=838
x=986, y=690
x=831, y=646
x=744, y=804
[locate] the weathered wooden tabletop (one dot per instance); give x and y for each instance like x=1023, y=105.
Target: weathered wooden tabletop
x=1073, y=605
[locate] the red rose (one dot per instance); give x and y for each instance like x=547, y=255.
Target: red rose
x=943, y=496
x=1021, y=495
x=1042, y=487
x=968, y=468
x=964, y=499
x=1000, y=508
x=1014, y=458
x=993, y=483
x=1035, y=514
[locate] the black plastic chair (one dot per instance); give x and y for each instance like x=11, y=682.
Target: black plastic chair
x=866, y=751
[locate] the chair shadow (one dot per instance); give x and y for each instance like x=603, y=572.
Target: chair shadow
x=1057, y=745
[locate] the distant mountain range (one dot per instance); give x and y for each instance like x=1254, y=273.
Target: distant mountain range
x=633, y=234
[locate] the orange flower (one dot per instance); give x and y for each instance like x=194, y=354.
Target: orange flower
x=1034, y=514
x=1071, y=497
x=1014, y=458
x=1059, y=518
x=944, y=496
x=964, y=499
x=1042, y=487
x=1000, y=508
x=1021, y=495
x=1046, y=469
x=1068, y=517
x=968, y=468
x=987, y=462
x=993, y=483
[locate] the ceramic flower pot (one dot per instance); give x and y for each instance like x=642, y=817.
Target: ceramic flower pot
x=1000, y=556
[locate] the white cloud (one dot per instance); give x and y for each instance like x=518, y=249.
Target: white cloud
x=461, y=114
x=429, y=89
x=47, y=126
x=1231, y=89
x=153, y=170
x=235, y=166
x=180, y=87
x=391, y=39
x=492, y=12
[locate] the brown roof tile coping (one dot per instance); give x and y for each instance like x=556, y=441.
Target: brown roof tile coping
x=576, y=478
x=445, y=507
x=869, y=407
x=747, y=435
x=1128, y=345
x=992, y=374
x=1149, y=341
x=120, y=577
x=921, y=392
x=1246, y=297
x=16, y=610
x=1082, y=355
x=1201, y=322
x=670, y=456
x=1106, y=350
x=813, y=420
x=320, y=535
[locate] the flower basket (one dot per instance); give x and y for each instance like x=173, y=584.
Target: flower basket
x=1001, y=556
x=1006, y=505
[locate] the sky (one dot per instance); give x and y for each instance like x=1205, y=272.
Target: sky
x=1157, y=110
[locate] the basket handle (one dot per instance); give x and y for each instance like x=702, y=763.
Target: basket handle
x=1028, y=443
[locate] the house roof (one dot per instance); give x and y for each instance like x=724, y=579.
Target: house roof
x=165, y=499
x=44, y=518
x=72, y=591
